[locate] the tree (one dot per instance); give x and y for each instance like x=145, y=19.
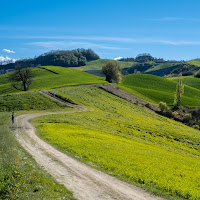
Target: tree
x=179, y=92
x=22, y=78
x=112, y=72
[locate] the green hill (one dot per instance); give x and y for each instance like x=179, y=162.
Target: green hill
x=188, y=80
x=51, y=76
x=156, y=89
x=194, y=62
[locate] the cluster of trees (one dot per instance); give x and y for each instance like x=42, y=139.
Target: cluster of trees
x=185, y=68
x=145, y=57
x=64, y=58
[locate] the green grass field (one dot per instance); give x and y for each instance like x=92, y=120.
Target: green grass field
x=44, y=79
x=20, y=176
x=194, y=62
x=29, y=101
x=128, y=142
x=156, y=89
x=188, y=80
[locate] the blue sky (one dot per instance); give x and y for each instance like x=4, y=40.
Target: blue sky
x=168, y=29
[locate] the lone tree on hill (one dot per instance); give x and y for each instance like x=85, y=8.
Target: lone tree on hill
x=112, y=72
x=179, y=92
x=22, y=78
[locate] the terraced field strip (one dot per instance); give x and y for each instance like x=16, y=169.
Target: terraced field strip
x=84, y=181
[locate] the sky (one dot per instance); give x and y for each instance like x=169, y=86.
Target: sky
x=167, y=29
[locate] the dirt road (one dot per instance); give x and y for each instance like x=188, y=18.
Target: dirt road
x=85, y=182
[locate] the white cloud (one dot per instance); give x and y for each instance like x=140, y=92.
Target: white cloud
x=7, y=59
x=8, y=51
x=3, y=59
x=118, y=58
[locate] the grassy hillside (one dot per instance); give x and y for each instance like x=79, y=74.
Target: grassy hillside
x=194, y=62
x=188, y=80
x=156, y=89
x=127, y=141
x=28, y=101
x=51, y=76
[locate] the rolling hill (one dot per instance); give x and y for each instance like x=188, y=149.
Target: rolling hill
x=188, y=80
x=194, y=62
x=156, y=89
x=49, y=77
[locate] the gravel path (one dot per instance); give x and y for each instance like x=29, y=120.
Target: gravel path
x=85, y=182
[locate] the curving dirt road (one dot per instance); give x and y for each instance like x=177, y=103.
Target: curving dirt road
x=85, y=182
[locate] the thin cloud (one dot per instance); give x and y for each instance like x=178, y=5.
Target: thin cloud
x=108, y=39
x=64, y=44
x=174, y=19
x=8, y=51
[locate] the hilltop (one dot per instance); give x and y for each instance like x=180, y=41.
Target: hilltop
x=194, y=62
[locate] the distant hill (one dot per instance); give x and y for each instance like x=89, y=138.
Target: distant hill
x=88, y=61
x=95, y=66
x=147, y=64
x=194, y=62
x=156, y=89
x=73, y=58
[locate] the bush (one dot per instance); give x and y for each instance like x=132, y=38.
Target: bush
x=163, y=106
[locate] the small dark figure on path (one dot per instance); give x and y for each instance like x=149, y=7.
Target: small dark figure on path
x=54, y=94
x=13, y=118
